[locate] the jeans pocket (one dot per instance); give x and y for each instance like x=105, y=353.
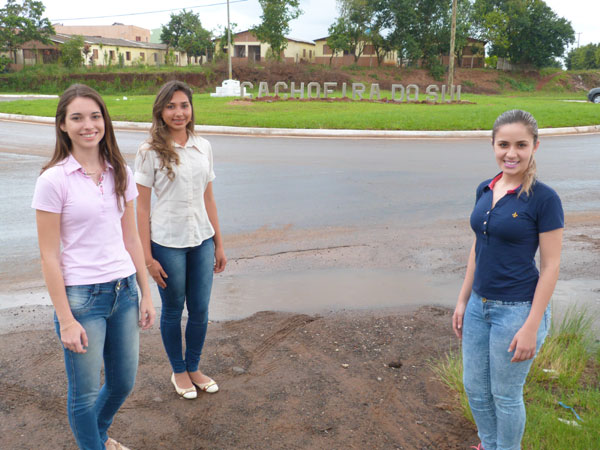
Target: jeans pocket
x=81, y=298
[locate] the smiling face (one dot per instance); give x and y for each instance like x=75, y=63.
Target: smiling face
x=177, y=113
x=84, y=124
x=514, y=147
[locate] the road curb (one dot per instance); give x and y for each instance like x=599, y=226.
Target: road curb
x=295, y=132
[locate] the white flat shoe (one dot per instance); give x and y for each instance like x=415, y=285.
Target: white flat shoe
x=187, y=393
x=211, y=387
x=111, y=444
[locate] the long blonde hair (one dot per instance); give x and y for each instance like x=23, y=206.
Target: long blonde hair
x=160, y=137
x=525, y=118
x=109, y=150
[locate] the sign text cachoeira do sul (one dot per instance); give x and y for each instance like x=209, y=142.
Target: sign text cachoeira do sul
x=355, y=91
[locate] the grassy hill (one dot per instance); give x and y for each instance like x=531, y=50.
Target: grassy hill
x=53, y=79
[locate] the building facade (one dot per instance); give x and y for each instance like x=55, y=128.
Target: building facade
x=247, y=48
x=101, y=51
x=368, y=57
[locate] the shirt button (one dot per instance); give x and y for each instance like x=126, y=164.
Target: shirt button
x=485, y=223
x=483, y=299
x=487, y=212
x=485, y=232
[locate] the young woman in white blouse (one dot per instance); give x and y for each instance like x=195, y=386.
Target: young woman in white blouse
x=181, y=237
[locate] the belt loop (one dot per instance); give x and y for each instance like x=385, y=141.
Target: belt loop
x=483, y=299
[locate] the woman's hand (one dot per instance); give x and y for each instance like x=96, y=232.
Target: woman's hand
x=220, y=260
x=157, y=273
x=523, y=344
x=458, y=317
x=74, y=337
x=147, y=313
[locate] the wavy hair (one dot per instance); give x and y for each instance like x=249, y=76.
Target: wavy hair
x=525, y=118
x=160, y=137
x=109, y=150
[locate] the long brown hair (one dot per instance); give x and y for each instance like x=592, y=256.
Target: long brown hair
x=109, y=150
x=160, y=136
x=525, y=118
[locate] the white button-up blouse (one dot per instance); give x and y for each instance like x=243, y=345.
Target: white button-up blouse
x=179, y=218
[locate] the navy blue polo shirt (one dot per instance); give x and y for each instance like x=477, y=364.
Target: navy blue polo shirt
x=507, y=239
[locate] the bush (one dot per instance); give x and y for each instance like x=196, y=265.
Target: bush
x=491, y=61
x=71, y=52
x=4, y=62
x=437, y=71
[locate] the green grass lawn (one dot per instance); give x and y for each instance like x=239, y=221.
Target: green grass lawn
x=566, y=370
x=550, y=111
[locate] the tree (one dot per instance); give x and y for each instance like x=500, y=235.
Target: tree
x=275, y=25
x=357, y=16
x=223, y=37
x=71, y=52
x=184, y=32
x=402, y=19
x=339, y=38
x=584, y=58
x=23, y=22
x=528, y=32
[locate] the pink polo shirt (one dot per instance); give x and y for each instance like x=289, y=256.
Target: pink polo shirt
x=90, y=223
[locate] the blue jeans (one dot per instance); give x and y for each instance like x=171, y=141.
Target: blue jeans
x=493, y=384
x=189, y=282
x=109, y=314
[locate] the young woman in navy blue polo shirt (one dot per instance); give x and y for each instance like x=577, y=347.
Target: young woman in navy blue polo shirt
x=503, y=312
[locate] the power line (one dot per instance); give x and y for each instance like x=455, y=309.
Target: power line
x=147, y=12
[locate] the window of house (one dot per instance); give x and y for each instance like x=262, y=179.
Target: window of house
x=304, y=53
x=310, y=54
x=142, y=56
x=239, y=51
x=155, y=57
x=111, y=54
x=326, y=49
x=138, y=39
x=95, y=53
x=177, y=58
x=128, y=56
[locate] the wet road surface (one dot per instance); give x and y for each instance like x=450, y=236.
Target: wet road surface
x=309, y=184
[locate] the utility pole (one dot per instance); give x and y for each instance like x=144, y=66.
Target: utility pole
x=452, y=42
x=229, y=42
x=578, y=37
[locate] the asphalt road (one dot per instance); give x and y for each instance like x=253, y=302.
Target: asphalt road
x=312, y=183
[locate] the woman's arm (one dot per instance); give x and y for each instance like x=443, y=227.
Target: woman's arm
x=465, y=293
x=143, y=222
x=72, y=334
x=133, y=246
x=211, y=210
x=524, y=342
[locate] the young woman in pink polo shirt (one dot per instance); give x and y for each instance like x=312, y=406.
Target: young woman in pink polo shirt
x=84, y=204
x=181, y=238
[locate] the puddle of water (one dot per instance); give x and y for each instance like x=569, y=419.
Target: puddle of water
x=583, y=294
x=317, y=291
x=326, y=290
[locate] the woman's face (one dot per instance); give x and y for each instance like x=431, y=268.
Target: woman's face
x=178, y=112
x=514, y=147
x=84, y=123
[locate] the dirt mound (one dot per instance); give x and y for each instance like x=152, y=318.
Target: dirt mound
x=289, y=381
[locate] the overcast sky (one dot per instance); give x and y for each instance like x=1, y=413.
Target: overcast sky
x=313, y=24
